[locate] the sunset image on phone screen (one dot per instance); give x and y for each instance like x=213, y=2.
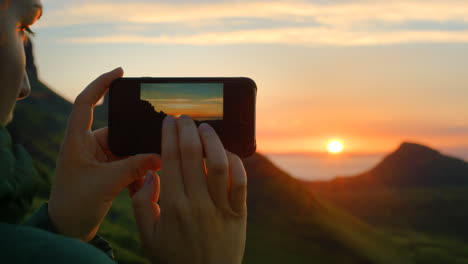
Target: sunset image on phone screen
x=200, y=101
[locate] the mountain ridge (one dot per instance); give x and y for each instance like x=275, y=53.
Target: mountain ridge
x=410, y=165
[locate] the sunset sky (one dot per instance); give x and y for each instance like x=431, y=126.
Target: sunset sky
x=198, y=100
x=370, y=73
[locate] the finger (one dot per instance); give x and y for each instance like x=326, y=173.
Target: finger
x=81, y=117
x=238, y=191
x=102, y=136
x=171, y=171
x=133, y=168
x=191, y=153
x=217, y=165
x=94, y=92
x=135, y=186
x=145, y=209
x=100, y=153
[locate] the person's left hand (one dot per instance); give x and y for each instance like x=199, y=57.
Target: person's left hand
x=88, y=175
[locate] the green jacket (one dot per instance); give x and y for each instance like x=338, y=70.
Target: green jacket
x=37, y=240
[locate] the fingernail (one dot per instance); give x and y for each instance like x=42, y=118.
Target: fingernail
x=149, y=178
x=169, y=119
x=117, y=69
x=185, y=117
x=204, y=127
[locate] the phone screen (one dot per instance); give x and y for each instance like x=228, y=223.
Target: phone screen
x=203, y=102
x=138, y=106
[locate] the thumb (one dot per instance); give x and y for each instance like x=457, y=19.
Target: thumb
x=133, y=168
x=145, y=208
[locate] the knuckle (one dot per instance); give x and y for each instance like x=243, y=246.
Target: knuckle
x=218, y=168
x=138, y=200
x=242, y=213
x=79, y=100
x=137, y=171
x=105, y=78
x=176, y=208
x=202, y=209
x=191, y=149
x=236, y=158
x=227, y=211
x=239, y=186
x=170, y=152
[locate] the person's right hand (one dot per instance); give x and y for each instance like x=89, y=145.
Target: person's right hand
x=202, y=213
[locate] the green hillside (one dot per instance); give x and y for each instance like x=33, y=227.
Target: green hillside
x=290, y=219
x=417, y=195
x=286, y=224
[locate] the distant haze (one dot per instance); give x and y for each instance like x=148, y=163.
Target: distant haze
x=323, y=167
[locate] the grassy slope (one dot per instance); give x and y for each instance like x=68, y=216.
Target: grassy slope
x=438, y=211
x=430, y=223
x=417, y=195
x=309, y=225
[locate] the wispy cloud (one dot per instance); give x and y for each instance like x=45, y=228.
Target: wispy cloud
x=336, y=13
x=170, y=100
x=338, y=23
x=213, y=100
x=303, y=36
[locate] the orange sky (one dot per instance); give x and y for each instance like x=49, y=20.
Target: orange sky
x=309, y=130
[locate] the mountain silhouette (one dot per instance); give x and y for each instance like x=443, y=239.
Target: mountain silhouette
x=411, y=165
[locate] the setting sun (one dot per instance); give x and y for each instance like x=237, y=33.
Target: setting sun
x=335, y=146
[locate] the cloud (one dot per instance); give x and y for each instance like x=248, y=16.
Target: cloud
x=178, y=100
x=170, y=100
x=337, y=23
x=331, y=14
x=302, y=36
x=178, y=106
x=213, y=100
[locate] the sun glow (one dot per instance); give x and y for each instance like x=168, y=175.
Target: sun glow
x=335, y=146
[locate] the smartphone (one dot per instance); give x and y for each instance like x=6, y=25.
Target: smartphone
x=138, y=106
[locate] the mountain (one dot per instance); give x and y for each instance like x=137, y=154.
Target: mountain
x=411, y=165
x=291, y=225
x=416, y=195
x=286, y=223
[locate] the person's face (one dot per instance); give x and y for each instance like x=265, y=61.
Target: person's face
x=15, y=17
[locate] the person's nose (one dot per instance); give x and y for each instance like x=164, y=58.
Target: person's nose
x=25, y=87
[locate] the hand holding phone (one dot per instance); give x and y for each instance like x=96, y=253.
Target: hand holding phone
x=88, y=177
x=201, y=215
